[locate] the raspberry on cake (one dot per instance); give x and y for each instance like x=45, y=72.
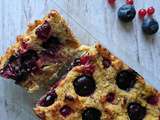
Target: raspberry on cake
x=40, y=52
x=107, y=90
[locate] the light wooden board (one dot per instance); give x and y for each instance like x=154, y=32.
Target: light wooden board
x=94, y=15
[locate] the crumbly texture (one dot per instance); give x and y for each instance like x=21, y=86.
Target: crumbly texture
x=48, y=65
x=105, y=79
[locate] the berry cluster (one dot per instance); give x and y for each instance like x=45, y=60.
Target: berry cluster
x=127, y=13
x=142, y=12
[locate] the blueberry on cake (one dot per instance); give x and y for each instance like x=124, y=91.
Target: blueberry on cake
x=39, y=53
x=99, y=86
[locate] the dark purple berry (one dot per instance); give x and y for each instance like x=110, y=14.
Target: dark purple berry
x=106, y=63
x=65, y=111
x=43, y=31
x=153, y=100
x=84, y=85
x=91, y=114
x=52, y=42
x=136, y=111
x=29, y=56
x=126, y=79
x=126, y=13
x=150, y=26
x=49, y=99
x=110, y=97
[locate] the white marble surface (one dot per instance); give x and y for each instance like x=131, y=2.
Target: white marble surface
x=97, y=17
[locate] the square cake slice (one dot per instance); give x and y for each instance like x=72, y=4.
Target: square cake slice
x=99, y=86
x=40, y=52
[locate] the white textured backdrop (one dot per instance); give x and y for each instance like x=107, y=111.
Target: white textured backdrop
x=94, y=15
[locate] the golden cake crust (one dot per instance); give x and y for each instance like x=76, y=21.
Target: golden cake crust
x=105, y=84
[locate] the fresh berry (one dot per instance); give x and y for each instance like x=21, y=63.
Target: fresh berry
x=85, y=59
x=150, y=26
x=89, y=69
x=153, y=100
x=43, y=31
x=130, y=2
x=49, y=99
x=84, y=85
x=126, y=13
x=91, y=114
x=112, y=2
x=142, y=13
x=106, y=63
x=126, y=79
x=150, y=11
x=110, y=97
x=65, y=111
x=136, y=111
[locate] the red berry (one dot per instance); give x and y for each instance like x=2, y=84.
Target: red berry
x=85, y=59
x=89, y=69
x=150, y=11
x=142, y=13
x=112, y=2
x=130, y=2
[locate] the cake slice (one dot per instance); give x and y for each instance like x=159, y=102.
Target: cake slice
x=39, y=53
x=99, y=86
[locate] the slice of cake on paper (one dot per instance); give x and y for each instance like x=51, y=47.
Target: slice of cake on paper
x=99, y=86
x=40, y=52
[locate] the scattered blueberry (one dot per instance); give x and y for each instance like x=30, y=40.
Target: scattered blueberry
x=136, y=111
x=43, y=31
x=84, y=85
x=126, y=79
x=91, y=114
x=126, y=13
x=65, y=111
x=49, y=99
x=150, y=26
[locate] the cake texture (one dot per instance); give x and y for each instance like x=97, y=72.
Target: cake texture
x=99, y=86
x=39, y=53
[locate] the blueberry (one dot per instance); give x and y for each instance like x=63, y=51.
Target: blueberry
x=84, y=85
x=65, y=111
x=150, y=26
x=126, y=79
x=91, y=114
x=29, y=56
x=49, y=99
x=136, y=111
x=126, y=13
x=43, y=31
x=51, y=43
